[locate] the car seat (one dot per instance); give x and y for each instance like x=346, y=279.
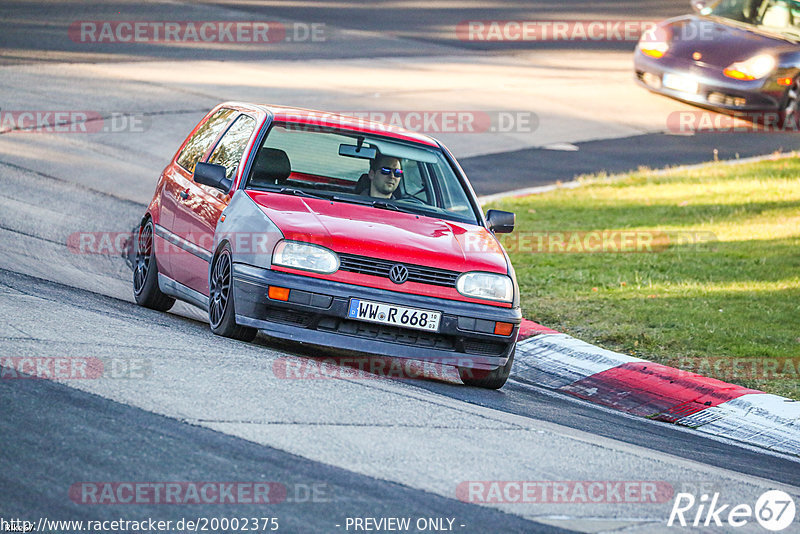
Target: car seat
x=271, y=167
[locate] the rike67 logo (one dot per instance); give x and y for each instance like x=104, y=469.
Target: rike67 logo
x=774, y=511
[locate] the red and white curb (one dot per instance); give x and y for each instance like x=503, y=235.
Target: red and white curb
x=563, y=363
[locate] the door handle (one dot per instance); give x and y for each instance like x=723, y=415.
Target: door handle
x=184, y=194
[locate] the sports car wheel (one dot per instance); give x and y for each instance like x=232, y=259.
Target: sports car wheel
x=145, y=273
x=221, y=308
x=486, y=379
x=790, y=110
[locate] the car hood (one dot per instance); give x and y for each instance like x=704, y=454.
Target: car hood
x=720, y=43
x=378, y=233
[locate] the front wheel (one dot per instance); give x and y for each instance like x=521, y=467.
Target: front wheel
x=145, y=273
x=221, y=308
x=482, y=378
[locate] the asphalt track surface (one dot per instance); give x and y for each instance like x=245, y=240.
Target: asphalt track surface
x=32, y=33
x=211, y=409
x=35, y=31
x=47, y=453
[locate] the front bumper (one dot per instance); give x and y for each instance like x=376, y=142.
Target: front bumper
x=714, y=90
x=317, y=314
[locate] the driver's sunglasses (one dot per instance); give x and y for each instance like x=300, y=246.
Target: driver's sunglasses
x=386, y=171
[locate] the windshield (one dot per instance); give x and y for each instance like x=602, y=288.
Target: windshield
x=778, y=16
x=358, y=168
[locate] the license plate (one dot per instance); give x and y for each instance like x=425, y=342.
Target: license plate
x=379, y=312
x=680, y=83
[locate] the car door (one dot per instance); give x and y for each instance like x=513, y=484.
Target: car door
x=197, y=214
x=177, y=181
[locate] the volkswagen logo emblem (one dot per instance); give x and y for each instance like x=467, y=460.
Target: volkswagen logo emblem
x=398, y=274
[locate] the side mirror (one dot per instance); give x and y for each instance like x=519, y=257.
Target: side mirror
x=212, y=175
x=501, y=222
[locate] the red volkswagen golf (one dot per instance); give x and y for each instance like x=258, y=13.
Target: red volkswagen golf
x=334, y=231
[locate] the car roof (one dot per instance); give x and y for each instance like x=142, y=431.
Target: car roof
x=334, y=120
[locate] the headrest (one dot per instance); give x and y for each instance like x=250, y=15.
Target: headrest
x=362, y=185
x=271, y=167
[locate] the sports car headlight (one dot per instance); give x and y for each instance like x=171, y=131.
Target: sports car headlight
x=486, y=286
x=655, y=42
x=751, y=69
x=306, y=257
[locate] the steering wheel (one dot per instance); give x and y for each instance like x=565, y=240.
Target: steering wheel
x=415, y=193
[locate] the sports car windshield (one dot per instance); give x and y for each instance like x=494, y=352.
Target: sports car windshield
x=777, y=16
x=358, y=168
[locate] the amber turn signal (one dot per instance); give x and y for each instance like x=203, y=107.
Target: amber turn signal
x=503, y=329
x=737, y=75
x=278, y=293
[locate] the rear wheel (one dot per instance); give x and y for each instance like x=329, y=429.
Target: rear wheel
x=790, y=109
x=221, y=308
x=482, y=378
x=145, y=273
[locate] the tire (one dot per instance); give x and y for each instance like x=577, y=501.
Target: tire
x=482, y=378
x=790, y=108
x=221, y=307
x=145, y=273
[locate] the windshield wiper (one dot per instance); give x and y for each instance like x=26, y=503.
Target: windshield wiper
x=380, y=204
x=300, y=193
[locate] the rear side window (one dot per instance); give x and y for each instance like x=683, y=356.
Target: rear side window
x=202, y=139
x=230, y=149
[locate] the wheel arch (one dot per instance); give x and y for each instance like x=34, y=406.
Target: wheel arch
x=221, y=245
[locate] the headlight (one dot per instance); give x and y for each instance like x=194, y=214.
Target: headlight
x=486, y=286
x=752, y=69
x=305, y=257
x=655, y=42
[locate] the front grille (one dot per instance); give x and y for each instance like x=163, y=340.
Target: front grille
x=282, y=315
x=484, y=348
x=390, y=334
x=416, y=273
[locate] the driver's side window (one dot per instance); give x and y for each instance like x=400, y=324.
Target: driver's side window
x=230, y=149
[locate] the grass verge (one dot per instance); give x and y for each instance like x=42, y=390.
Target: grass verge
x=698, y=269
